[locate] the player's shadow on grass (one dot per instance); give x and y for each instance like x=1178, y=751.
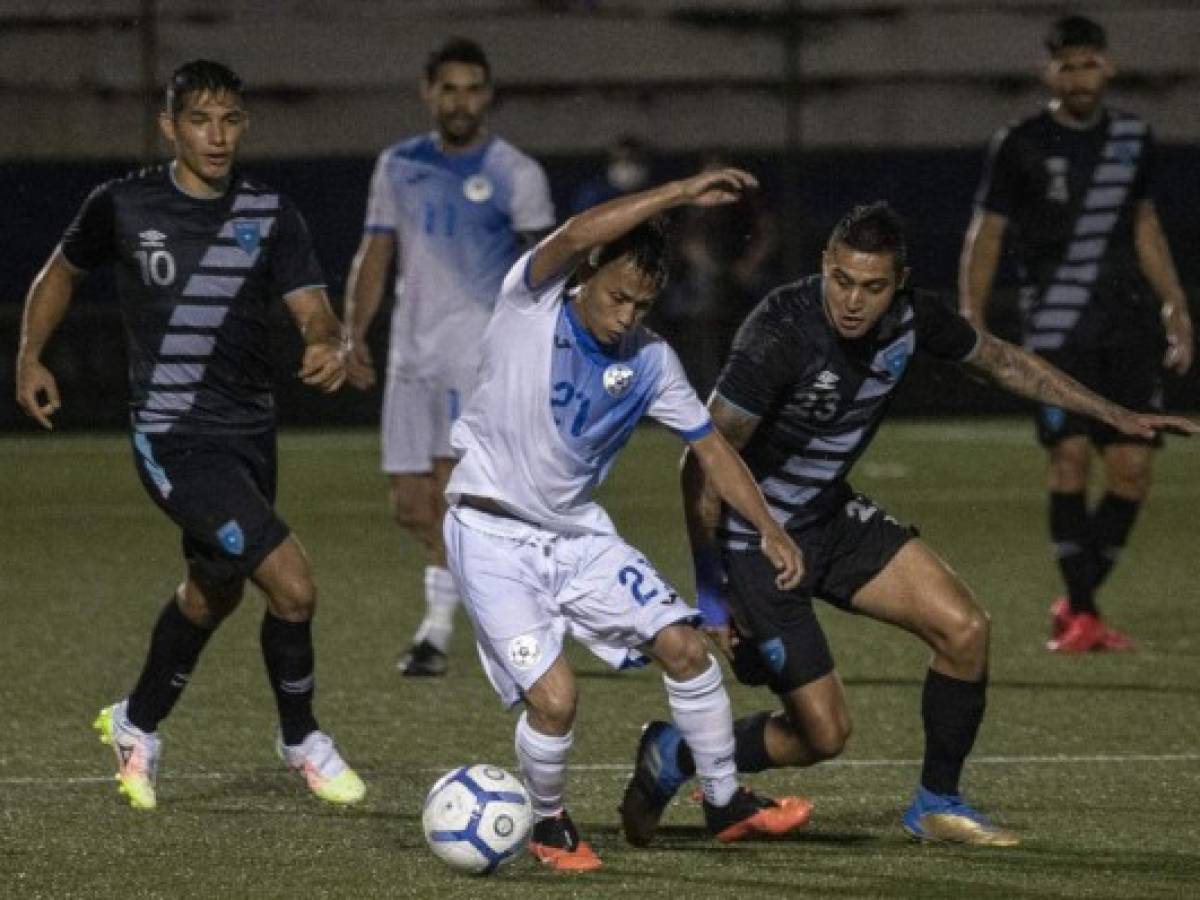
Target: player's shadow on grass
x=1091, y=687
x=695, y=838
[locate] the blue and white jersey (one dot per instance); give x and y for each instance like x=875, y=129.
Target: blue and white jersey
x=554, y=407
x=457, y=220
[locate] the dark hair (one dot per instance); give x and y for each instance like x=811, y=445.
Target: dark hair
x=197, y=77
x=873, y=228
x=1075, y=31
x=649, y=248
x=459, y=50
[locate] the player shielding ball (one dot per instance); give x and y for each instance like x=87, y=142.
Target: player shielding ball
x=201, y=252
x=807, y=384
x=1100, y=300
x=567, y=372
x=454, y=208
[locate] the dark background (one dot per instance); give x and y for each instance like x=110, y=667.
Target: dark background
x=931, y=188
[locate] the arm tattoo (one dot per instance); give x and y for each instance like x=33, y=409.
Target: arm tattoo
x=1026, y=375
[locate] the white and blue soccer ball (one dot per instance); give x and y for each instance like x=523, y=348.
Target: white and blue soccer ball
x=477, y=818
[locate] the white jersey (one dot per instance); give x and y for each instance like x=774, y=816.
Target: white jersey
x=553, y=407
x=457, y=220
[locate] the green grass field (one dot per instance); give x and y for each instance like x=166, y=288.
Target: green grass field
x=1095, y=760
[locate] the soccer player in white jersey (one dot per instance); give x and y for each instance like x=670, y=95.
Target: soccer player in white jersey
x=454, y=208
x=567, y=371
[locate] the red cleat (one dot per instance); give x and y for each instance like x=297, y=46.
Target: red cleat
x=1060, y=617
x=555, y=843
x=1085, y=633
x=1117, y=641
x=749, y=815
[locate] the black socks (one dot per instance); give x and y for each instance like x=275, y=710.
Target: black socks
x=952, y=711
x=287, y=650
x=175, y=645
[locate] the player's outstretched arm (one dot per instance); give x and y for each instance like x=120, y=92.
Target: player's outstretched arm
x=731, y=480
x=566, y=247
x=977, y=265
x=1030, y=376
x=365, y=287
x=1154, y=258
x=324, y=363
x=47, y=302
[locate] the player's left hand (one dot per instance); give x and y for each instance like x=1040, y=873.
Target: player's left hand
x=323, y=367
x=1180, y=342
x=1147, y=425
x=785, y=556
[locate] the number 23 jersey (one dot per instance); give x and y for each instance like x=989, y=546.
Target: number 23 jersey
x=554, y=407
x=196, y=278
x=820, y=397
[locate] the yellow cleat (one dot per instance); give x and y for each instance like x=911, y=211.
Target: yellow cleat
x=137, y=755
x=324, y=770
x=950, y=819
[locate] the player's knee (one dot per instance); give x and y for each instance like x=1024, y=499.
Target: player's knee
x=1130, y=481
x=1068, y=473
x=207, y=605
x=551, y=709
x=294, y=597
x=682, y=652
x=828, y=739
x=968, y=637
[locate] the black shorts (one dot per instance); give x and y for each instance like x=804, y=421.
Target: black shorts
x=1124, y=364
x=782, y=645
x=220, y=491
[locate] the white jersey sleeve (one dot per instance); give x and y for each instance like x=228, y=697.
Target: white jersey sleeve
x=532, y=208
x=381, y=200
x=676, y=404
x=516, y=290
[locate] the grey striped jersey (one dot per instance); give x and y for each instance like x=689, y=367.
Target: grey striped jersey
x=196, y=279
x=1070, y=196
x=819, y=398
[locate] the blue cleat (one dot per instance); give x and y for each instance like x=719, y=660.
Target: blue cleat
x=655, y=780
x=949, y=818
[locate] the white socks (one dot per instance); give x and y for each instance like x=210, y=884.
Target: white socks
x=441, y=599
x=704, y=716
x=543, y=762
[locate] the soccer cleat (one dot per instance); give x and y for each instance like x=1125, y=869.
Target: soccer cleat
x=555, y=843
x=1060, y=617
x=1116, y=640
x=423, y=659
x=948, y=818
x=655, y=780
x=1086, y=632
x=749, y=815
x=323, y=768
x=137, y=754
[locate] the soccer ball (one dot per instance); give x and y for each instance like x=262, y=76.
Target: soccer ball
x=476, y=818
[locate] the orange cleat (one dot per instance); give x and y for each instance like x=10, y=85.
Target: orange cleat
x=555, y=843
x=749, y=815
x=1060, y=617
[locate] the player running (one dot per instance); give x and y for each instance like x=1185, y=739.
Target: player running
x=1076, y=184
x=200, y=253
x=566, y=374
x=454, y=208
x=810, y=377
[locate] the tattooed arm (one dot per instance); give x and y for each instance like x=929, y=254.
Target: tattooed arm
x=1027, y=375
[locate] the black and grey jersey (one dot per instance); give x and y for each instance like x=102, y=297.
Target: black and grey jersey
x=820, y=397
x=1071, y=196
x=196, y=279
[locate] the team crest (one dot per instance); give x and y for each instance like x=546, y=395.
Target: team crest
x=231, y=538
x=478, y=189
x=896, y=360
x=773, y=654
x=524, y=652
x=618, y=378
x=247, y=235
x=1053, y=417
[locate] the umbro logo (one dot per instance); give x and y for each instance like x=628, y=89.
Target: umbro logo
x=152, y=238
x=562, y=343
x=827, y=380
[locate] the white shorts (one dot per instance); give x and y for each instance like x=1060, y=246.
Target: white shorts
x=417, y=414
x=526, y=589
